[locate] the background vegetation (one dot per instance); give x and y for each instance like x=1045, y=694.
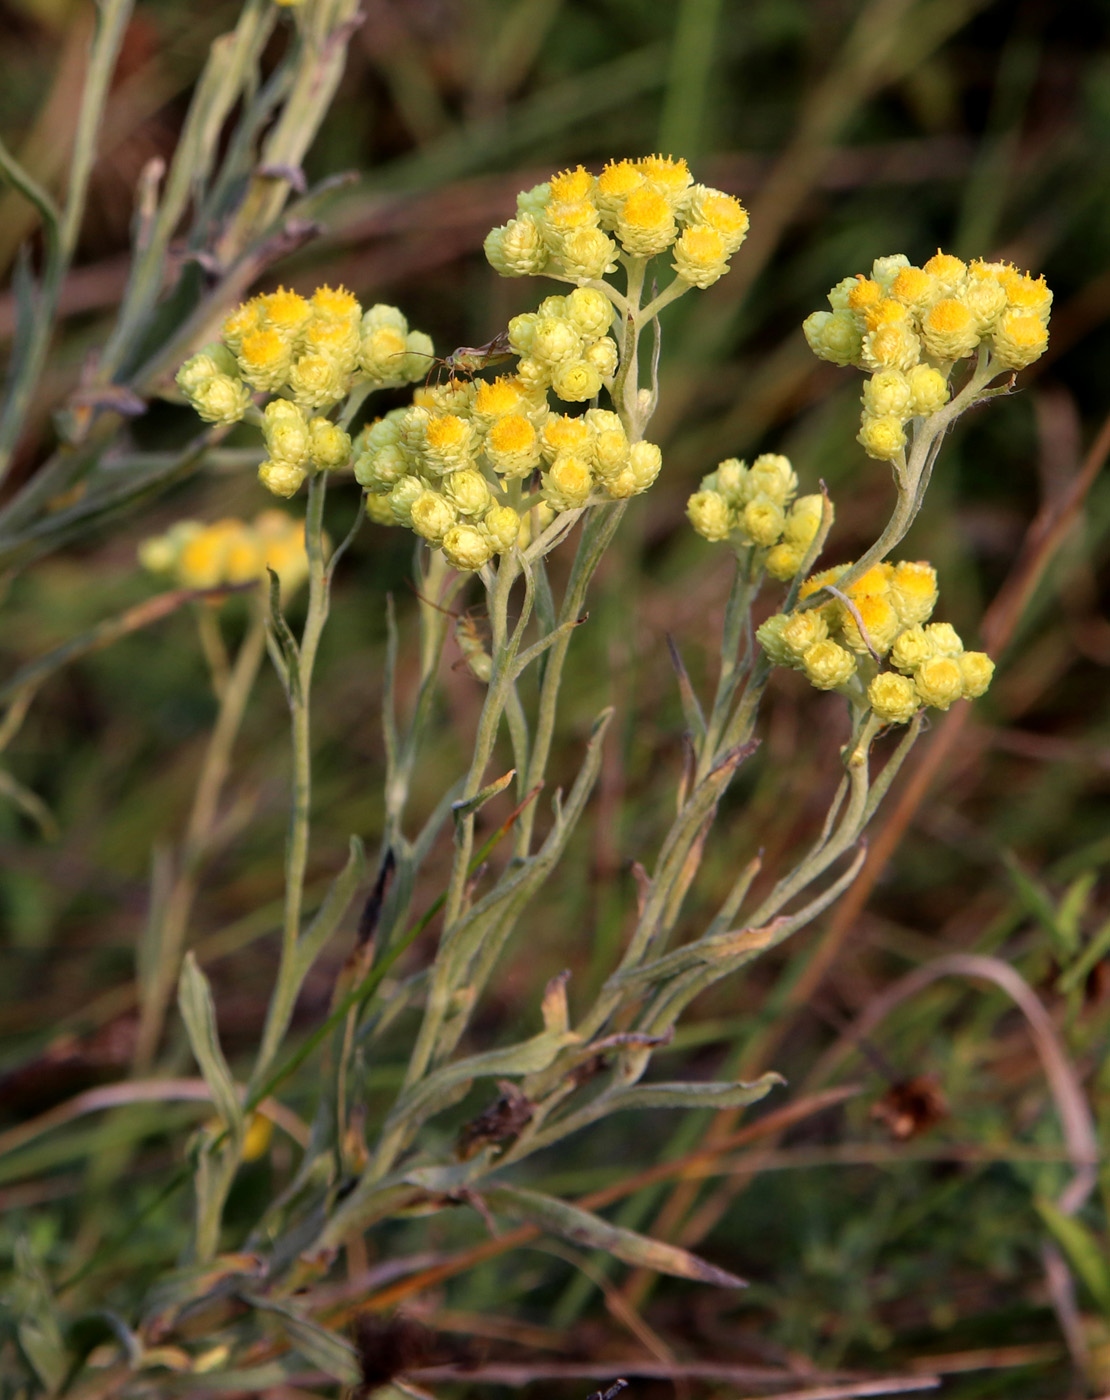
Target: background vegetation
x=849, y=130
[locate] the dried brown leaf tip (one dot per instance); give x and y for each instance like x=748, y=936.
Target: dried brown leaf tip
x=501, y=1122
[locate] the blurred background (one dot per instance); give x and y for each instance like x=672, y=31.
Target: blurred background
x=850, y=130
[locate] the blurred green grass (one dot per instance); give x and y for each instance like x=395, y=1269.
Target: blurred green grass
x=850, y=131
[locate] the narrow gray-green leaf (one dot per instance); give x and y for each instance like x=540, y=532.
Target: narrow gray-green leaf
x=461, y=810
x=583, y=1227
x=334, y=1355
x=677, y=1095
x=194, y=997
x=331, y=911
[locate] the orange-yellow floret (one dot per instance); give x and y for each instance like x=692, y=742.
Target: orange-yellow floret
x=335, y=303
x=571, y=185
x=864, y=294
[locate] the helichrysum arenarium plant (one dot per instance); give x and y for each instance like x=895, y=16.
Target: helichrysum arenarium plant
x=492, y=475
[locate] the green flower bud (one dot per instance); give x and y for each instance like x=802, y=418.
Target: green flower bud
x=517, y=249
x=802, y=523
x=466, y=547
x=220, y=399
x=468, y=491
x=522, y=331
x=419, y=354
x=938, y=682
x=834, y=336
x=403, y=497
x=611, y=451
x=769, y=635
x=710, y=515
x=910, y=649
x=731, y=481
x=213, y=359
x=380, y=470
x=555, y=340
x=892, y=697
x=828, y=665
x=379, y=509
x=381, y=314
x=383, y=352
x=885, y=270
x=286, y=432
x=281, y=478
x=331, y=446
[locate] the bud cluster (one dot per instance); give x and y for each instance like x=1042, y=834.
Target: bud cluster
x=884, y=624
x=564, y=345
x=576, y=225
x=444, y=466
x=311, y=352
x=908, y=326
x=229, y=551
x=756, y=505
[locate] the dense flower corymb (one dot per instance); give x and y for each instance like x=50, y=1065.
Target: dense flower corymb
x=909, y=326
x=230, y=551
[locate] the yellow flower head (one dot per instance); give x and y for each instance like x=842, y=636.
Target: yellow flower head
x=721, y=212
x=336, y=304
x=828, y=665
x=701, y=256
x=1018, y=340
x=568, y=483
x=264, y=358
x=893, y=698
x=885, y=312
x=512, y=445
x=913, y=591
x=572, y=185
x=880, y=620
x=949, y=330
x=938, y=682
x=576, y=381
x=670, y=176
x=864, y=294
x=337, y=339
x=497, y=398
x=618, y=179
x=1026, y=294
x=241, y=322
x=915, y=288
x=448, y=443
x=949, y=271
x=562, y=433
x=285, y=310
x=645, y=225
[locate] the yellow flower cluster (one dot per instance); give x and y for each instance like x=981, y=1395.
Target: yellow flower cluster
x=230, y=551
x=576, y=225
x=444, y=467
x=884, y=620
x=907, y=326
x=756, y=505
x=311, y=351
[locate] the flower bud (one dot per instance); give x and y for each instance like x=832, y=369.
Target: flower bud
x=802, y=631
x=589, y=312
x=562, y=433
x=771, y=475
x=885, y=270
x=379, y=509
x=316, y=381
x=615, y=183
x=976, y=670
x=910, y=649
x=575, y=381
x=335, y=304
x=880, y=619
x=380, y=470
x=432, y=515
x=403, y=497
x=723, y=213
x=330, y=445
x=892, y=697
x=828, y=665
x=286, y=433
x=769, y=635
x=834, y=336
x=281, y=478
x=587, y=253
x=985, y=299
x=555, y=340
x=466, y=547
x=501, y=525
x=517, y=249
x=611, y=452
x=522, y=332
x=382, y=354
x=950, y=272
x=887, y=394
x=382, y=314
x=784, y=560
x=645, y=461
x=928, y=390
x=938, y=682
x=603, y=356
x=891, y=346
x=801, y=525
x=220, y=399
x=468, y=491
x=710, y=515
x=882, y=438
x=213, y=359
x=762, y=521
x=731, y=481
x=944, y=639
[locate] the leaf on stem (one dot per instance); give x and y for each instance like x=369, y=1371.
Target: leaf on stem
x=583, y=1227
x=289, y=652
x=194, y=997
x=694, y=1095
x=461, y=810
x=331, y=911
x=334, y=1355
x=691, y=708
